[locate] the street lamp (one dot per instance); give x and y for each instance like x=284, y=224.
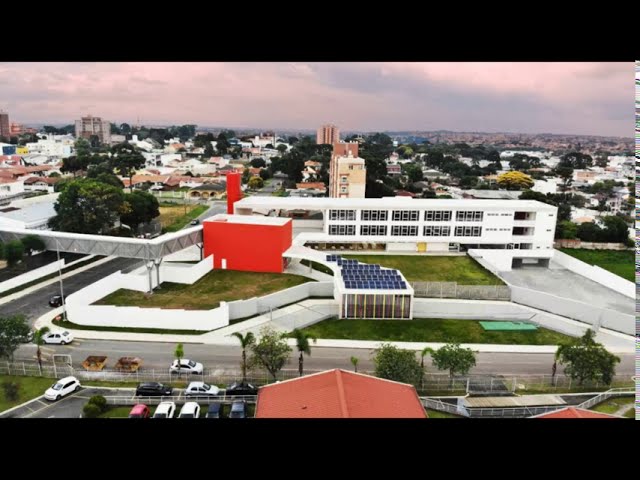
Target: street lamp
x=64, y=306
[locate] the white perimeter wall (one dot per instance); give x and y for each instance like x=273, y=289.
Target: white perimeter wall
x=582, y=312
x=31, y=276
x=402, y=247
x=595, y=273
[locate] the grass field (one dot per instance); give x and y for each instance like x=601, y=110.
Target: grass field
x=173, y=217
x=29, y=387
x=317, y=266
x=463, y=270
x=439, y=414
x=429, y=330
x=613, y=404
x=620, y=262
x=160, y=331
x=208, y=292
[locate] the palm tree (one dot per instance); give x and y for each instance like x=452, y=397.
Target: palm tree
x=302, y=343
x=38, y=339
x=354, y=362
x=246, y=340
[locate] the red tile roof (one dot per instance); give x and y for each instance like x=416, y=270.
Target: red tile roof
x=404, y=193
x=312, y=185
x=47, y=180
x=339, y=394
x=573, y=412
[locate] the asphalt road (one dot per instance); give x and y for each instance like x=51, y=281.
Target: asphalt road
x=67, y=407
x=158, y=356
x=36, y=304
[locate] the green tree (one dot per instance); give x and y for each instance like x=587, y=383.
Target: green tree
x=13, y=330
x=109, y=179
x=13, y=252
x=74, y=164
x=395, y=364
x=566, y=174
x=414, y=172
x=303, y=346
x=139, y=207
x=83, y=149
x=587, y=359
x=515, y=180
x=246, y=341
x=589, y=232
x=38, y=339
x=282, y=148
x=179, y=353
x=126, y=160
x=271, y=351
x=87, y=206
x=576, y=160
x=258, y=163
x=454, y=358
x=91, y=410
x=566, y=229
x=616, y=229
x=222, y=144
x=209, y=151
x=125, y=128
x=98, y=168
x=32, y=243
x=354, y=362
x=255, y=183
x=246, y=175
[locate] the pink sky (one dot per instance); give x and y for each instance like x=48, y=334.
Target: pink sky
x=580, y=98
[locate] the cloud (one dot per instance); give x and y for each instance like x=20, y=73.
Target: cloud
x=587, y=98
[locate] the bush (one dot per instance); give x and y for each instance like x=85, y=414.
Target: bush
x=91, y=410
x=99, y=401
x=629, y=242
x=11, y=390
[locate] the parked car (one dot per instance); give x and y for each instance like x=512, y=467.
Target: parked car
x=195, y=222
x=153, y=389
x=165, y=410
x=140, y=411
x=201, y=389
x=190, y=410
x=214, y=410
x=242, y=388
x=62, y=388
x=56, y=301
x=186, y=366
x=58, y=337
x=238, y=409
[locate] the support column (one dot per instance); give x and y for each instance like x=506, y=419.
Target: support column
x=149, y=266
x=157, y=263
x=201, y=247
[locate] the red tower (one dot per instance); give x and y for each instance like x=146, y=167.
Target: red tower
x=234, y=190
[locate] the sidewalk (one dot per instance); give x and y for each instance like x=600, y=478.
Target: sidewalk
x=33, y=288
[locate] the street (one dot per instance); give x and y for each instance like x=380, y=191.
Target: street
x=158, y=356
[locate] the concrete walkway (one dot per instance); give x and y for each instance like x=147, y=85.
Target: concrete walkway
x=33, y=288
x=312, y=311
x=624, y=409
x=296, y=268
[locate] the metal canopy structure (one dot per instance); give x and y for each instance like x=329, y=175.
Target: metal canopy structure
x=145, y=249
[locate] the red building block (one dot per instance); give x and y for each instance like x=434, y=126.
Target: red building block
x=247, y=243
x=234, y=190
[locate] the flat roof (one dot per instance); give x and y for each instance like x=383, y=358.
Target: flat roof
x=31, y=213
x=323, y=203
x=248, y=219
x=517, y=401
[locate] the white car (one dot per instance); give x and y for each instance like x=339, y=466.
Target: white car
x=165, y=410
x=186, y=366
x=190, y=410
x=58, y=337
x=61, y=388
x=201, y=389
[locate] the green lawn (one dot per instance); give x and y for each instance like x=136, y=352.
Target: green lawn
x=429, y=330
x=159, y=331
x=620, y=262
x=630, y=414
x=173, y=218
x=439, y=414
x=30, y=387
x=464, y=270
x=317, y=266
x=613, y=404
x=208, y=292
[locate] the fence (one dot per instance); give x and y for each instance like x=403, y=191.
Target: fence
x=468, y=292
x=565, y=243
x=614, y=392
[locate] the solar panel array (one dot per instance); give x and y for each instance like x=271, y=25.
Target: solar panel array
x=366, y=276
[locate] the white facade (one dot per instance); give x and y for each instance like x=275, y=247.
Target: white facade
x=51, y=147
x=426, y=225
x=11, y=188
x=545, y=186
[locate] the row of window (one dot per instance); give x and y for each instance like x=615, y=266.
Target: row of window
x=405, y=230
x=406, y=215
x=374, y=215
x=471, y=216
x=342, y=214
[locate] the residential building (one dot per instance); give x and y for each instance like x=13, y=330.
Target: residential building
x=30, y=213
x=52, y=146
x=339, y=394
x=394, y=170
x=89, y=125
x=313, y=188
x=5, y=130
x=208, y=191
x=10, y=187
x=328, y=135
x=116, y=139
x=550, y=185
x=347, y=172
x=42, y=184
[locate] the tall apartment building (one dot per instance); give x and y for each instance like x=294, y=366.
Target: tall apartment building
x=328, y=135
x=347, y=172
x=87, y=126
x=5, y=131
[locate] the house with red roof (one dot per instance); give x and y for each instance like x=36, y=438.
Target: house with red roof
x=574, y=412
x=339, y=394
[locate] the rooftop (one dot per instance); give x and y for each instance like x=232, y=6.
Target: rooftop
x=339, y=394
x=322, y=203
x=31, y=213
x=573, y=412
x=248, y=219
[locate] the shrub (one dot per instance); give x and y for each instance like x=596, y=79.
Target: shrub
x=91, y=410
x=99, y=401
x=11, y=390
